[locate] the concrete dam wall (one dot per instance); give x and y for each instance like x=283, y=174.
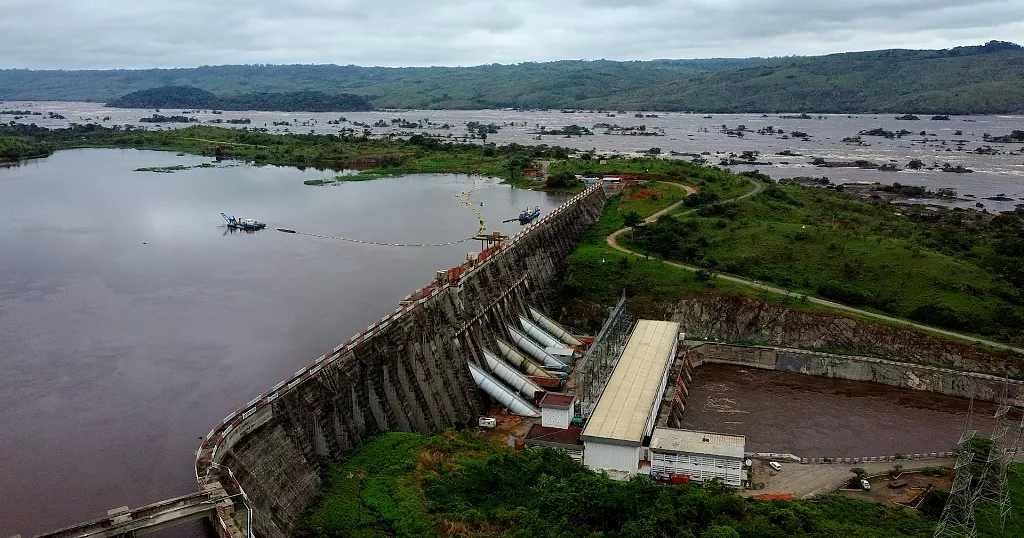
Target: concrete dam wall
x=897, y=374
x=738, y=319
x=406, y=372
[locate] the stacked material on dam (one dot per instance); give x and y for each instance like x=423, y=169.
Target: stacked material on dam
x=502, y=394
x=409, y=371
x=554, y=328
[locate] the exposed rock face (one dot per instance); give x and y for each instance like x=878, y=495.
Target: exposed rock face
x=895, y=374
x=739, y=319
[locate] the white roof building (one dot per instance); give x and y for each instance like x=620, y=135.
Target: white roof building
x=624, y=415
x=699, y=455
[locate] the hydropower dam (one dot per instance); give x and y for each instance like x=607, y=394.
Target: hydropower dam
x=412, y=370
x=419, y=368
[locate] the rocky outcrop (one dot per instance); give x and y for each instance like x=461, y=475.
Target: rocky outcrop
x=740, y=319
x=895, y=374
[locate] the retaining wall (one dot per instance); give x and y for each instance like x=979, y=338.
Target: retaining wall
x=897, y=374
x=406, y=372
x=737, y=319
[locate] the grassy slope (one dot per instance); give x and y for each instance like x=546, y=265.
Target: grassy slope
x=486, y=86
x=878, y=81
x=989, y=523
x=823, y=243
x=598, y=274
x=402, y=484
x=962, y=80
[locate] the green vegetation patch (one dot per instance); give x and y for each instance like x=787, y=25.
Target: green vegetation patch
x=173, y=168
x=988, y=520
x=960, y=80
x=15, y=149
x=380, y=158
x=453, y=484
x=940, y=269
x=190, y=97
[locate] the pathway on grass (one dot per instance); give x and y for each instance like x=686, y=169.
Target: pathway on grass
x=613, y=242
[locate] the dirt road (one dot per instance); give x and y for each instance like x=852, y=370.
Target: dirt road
x=612, y=241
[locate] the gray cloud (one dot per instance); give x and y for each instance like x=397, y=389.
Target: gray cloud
x=72, y=34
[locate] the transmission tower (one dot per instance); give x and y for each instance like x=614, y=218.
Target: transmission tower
x=957, y=519
x=992, y=487
x=992, y=481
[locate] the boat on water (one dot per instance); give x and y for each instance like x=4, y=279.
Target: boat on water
x=529, y=214
x=243, y=224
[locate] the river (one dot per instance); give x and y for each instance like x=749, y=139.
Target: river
x=1000, y=174
x=132, y=320
x=820, y=417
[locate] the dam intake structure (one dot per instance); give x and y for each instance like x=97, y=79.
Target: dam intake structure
x=410, y=371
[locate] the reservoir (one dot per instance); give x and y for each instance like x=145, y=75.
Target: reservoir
x=132, y=320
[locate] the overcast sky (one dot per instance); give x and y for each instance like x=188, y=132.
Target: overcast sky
x=77, y=34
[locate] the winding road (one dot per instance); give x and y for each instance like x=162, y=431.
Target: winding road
x=613, y=242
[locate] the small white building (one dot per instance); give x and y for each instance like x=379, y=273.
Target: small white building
x=624, y=415
x=557, y=410
x=699, y=455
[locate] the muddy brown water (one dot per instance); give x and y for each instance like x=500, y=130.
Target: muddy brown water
x=132, y=321
x=813, y=416
x=682, y=133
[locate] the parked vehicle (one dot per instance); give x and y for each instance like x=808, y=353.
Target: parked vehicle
x=775, y=465
x=865, y=485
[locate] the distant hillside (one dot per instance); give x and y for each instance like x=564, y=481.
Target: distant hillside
x=965, y=80
x=190, y=97
x=984, y=79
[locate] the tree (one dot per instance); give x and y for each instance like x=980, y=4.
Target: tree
x=858, y=474
x=721, y=531
x=933, y=503
x=632, y=219
x=562, y=180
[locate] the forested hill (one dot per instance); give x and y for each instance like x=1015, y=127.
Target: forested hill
x=190, y=97
x=986, y=79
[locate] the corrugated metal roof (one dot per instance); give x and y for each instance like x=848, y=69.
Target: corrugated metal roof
x=697, y=442
x=632, y=391
x=562, y=401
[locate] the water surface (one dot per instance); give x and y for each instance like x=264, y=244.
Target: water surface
x=132, y=320
x=679, y=132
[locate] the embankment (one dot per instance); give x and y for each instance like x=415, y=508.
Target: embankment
x=896, y=374
x=742, y=319
x=406, y=372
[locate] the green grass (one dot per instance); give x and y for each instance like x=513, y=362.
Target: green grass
x=721, y=183
x=596, y=273
x=454, y=484
x=826, y=244
x=988, y=520
x=668, y=194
